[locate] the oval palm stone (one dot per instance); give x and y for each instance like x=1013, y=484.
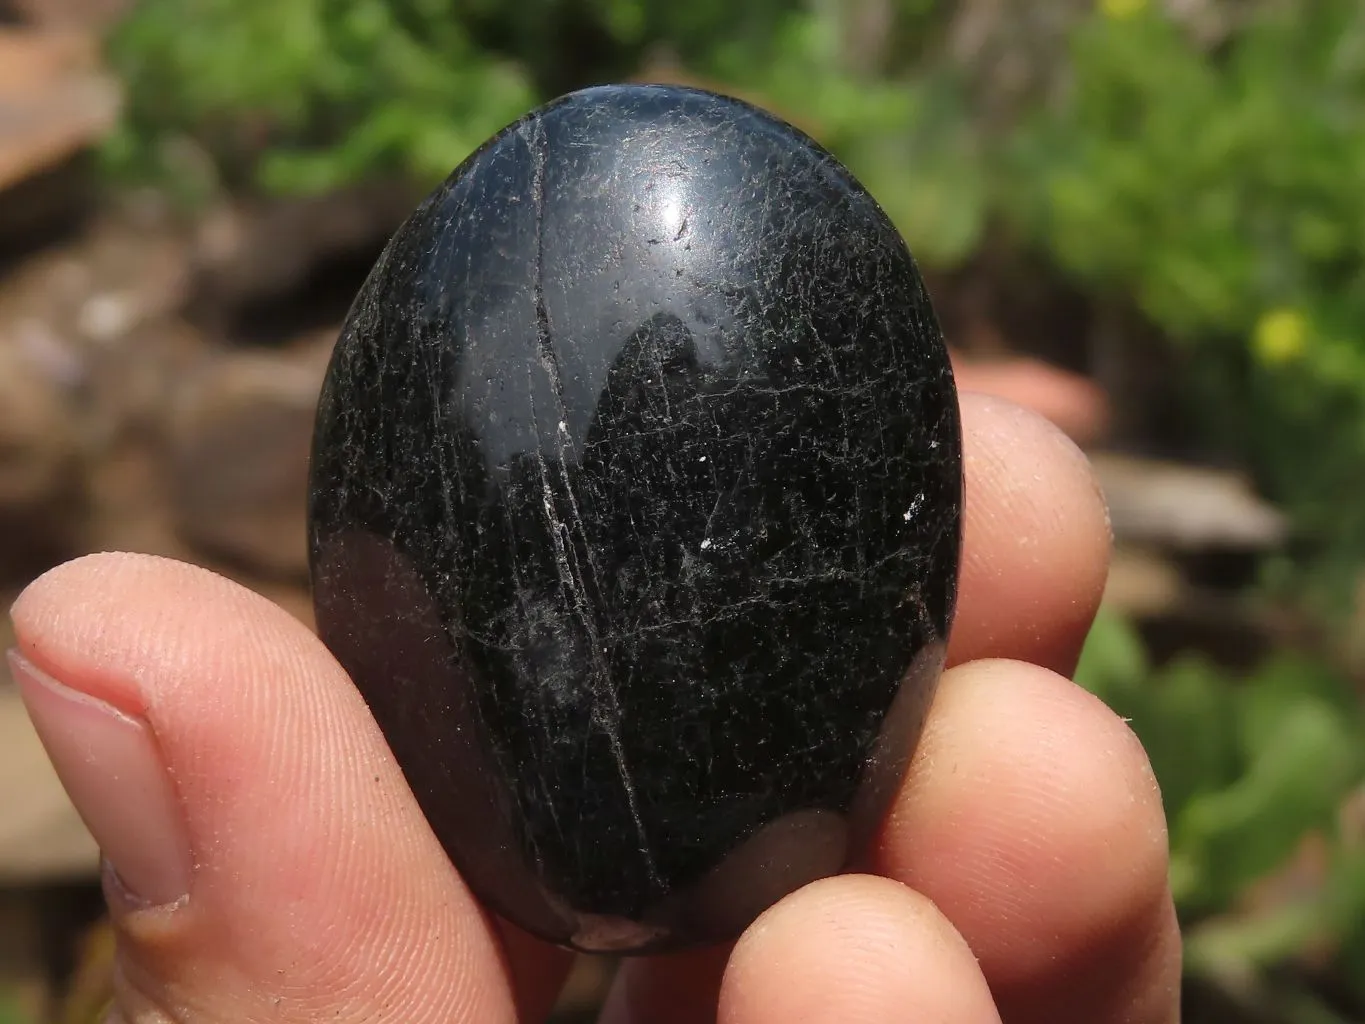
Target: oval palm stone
x=635, y=514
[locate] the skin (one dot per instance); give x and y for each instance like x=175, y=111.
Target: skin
x=1020, y=876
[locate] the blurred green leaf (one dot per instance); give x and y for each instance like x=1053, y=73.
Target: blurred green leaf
x=1113, y=663
x=1247, y=765
x=1188, y=725
x=1293, y=782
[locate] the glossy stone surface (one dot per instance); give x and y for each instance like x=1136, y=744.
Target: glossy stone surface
x=635, y=514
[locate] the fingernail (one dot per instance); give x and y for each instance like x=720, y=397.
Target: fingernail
x=111, y=767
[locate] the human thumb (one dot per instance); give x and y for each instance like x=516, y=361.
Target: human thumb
x=265, y=860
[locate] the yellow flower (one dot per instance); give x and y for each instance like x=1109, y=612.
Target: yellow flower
x=1281, y=336
x=1121, y=10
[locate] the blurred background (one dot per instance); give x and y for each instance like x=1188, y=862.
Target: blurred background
x=1145, y=219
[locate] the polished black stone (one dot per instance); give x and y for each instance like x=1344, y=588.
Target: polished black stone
x=635, y=514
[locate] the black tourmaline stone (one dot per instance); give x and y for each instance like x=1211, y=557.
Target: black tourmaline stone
x=635, y=513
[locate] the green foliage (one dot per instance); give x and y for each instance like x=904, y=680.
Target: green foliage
x=1248, y=768
x=1215, y=189
x=302, y=95
x=1221, y=192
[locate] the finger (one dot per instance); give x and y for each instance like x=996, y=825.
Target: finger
x=1033, y=821
x=858, y=950
x=1036, y=540
x=268, y=861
